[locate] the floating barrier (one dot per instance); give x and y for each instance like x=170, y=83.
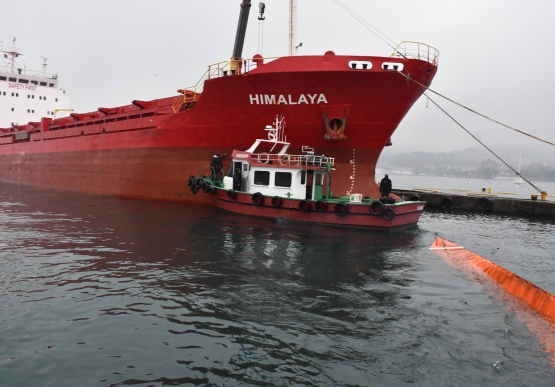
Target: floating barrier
x=462, y=189
x=533, y=296
x=426, y=189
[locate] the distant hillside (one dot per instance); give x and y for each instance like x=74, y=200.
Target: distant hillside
x=468, y=163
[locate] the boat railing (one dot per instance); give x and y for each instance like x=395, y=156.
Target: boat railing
x=294, y=160
x=416, y=50
x=28, y=73
x=218, y=70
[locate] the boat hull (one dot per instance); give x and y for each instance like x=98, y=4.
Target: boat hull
x=358, y=215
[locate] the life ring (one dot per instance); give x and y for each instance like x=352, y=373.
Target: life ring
x=376, y=208
x=414, y=198
x=231, y=194
x=276, y=201
x=447, y=203
x=321, y=205
x=205, y=187
x=304, y=205
x=284, y=160
x=341, y=209
x=389, y=213
x=257, y=199
x=484, y=204
x=265, y=159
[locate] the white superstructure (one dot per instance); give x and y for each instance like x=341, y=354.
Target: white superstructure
x=27, y=95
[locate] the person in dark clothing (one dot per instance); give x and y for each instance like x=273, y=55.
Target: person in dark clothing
x=237, y=180
x=217, y=165
x=385, y=186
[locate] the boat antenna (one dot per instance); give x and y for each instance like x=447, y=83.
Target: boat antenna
x=261, y=18
x=13, y=53
x=293, y=47
x=44, y=65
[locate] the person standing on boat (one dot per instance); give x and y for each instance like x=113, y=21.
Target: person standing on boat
x=385, y=186
x=237, y=179
x=217, y=164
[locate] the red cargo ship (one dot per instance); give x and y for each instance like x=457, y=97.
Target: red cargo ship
x=348, y=106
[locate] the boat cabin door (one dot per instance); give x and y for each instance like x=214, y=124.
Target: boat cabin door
x=309, y=179
x=318, y=185
x=245, y=177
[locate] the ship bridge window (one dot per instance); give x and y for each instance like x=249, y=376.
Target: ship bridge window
x=261, y=177
x=43, y=83
x=13, y=80
x=3, y=78
x=23, y=80
x=283, y=179
x=35, y=82
x=50, y=85
x=360, y=65
x=392, y=66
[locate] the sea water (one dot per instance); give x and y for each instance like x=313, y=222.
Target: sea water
x=103, y=291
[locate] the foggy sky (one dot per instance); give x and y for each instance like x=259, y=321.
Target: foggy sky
x=496, y=56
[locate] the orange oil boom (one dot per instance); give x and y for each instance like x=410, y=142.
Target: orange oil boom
x=533, y=296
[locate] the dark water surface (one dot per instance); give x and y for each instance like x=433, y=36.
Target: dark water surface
x=102, y=291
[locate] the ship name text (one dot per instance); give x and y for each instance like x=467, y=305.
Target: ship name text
x=20, y=86
x=242, y=155
x=272, y=99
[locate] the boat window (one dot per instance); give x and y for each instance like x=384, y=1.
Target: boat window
x=3, y=78
x=23, y=80
x=283, y=179
x=318, y=179
x=261, y=177
x=13, y=79
x=303, y=177
x=43, y=83
x=50, y=85
x=34, y=82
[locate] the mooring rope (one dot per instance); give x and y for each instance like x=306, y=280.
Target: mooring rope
x=475, y=112
x=484, y=145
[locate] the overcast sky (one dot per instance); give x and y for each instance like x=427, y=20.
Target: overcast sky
x=496, y=55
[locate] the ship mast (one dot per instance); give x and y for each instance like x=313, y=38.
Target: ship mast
x=240, y=35
x=13, y=52
x=293, y=46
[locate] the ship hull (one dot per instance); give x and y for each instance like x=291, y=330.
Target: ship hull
x=357, y=215
x=146, y=150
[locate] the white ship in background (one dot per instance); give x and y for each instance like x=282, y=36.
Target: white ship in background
x=27, y=95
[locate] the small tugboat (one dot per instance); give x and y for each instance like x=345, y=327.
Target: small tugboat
x=266, y=181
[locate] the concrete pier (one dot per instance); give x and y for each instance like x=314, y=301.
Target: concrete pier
x=482, y=203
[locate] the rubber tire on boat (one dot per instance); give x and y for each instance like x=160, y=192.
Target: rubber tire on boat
x=376, y=211
x=257, y=199
x=304, y=205
x=205, y=187
x=321, y=205
x=194, y=190
x=387, y=200
x=212, y=190
x=231, y=194
x=191, y=181
x=341, y=209
x=414, y=198
x=447, y=203
x=484, y=204
x=198, y=182
x=276, y=201
x=389, y=213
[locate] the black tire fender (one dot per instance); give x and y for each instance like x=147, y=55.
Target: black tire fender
x=276, y=201
x=304, y=205
x=389, y=213
x=376, y=208
x=205, y=187
x=231, y=194
x=484, y=204
x=321, y=205
x=341, y=209
x=414, y=198
x=447, y=203
x=257, y=199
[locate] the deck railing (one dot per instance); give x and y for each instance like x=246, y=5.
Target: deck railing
x=295, y=160
x=416, y=50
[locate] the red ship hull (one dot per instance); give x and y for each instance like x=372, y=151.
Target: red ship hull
x=358, y=215
x=146, y=150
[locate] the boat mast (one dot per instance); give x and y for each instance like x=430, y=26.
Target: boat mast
x=293, y=46
x=240, y=35
x=13, y=52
